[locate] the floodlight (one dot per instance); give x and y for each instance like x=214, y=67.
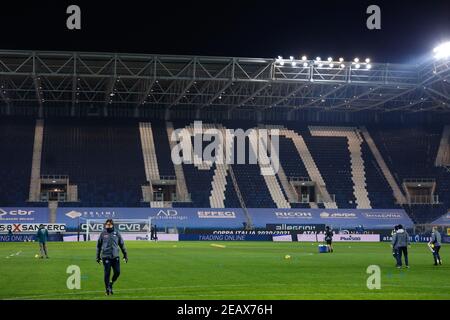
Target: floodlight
x=357, y=66
x=356, y=60
x=305, y=64
x=369, y=66
x=304, y=58
x=342, y=65
x=330, y=59
x=341, y=59
x=367, y=60
x=318, y=59
x=442, y=51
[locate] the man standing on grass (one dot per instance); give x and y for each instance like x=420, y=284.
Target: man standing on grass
x=394, y=250
x=108, y=246
x=435, y=244
x=400, y=242
x=42, y=237
x=329, y=238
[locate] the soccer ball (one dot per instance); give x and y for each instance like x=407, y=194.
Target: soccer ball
x=287, y=256
x=36, y=256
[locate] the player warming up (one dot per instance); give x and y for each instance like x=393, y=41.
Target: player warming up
x=329, y=238
x=108, y=245
x=400, y=243
x=42, y=237
x=435, y=245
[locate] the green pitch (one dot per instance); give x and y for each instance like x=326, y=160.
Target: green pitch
x=244, y=270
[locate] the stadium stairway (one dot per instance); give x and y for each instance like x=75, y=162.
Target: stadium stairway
x=354, y=141
x=268, y=172
x=35, y=184
x=182, y=189
x=219, y=182
x=443, y=155
x=148, y=151
x=377, y=194
x=307, y=166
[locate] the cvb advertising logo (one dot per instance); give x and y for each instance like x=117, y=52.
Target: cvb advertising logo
x=227, y=146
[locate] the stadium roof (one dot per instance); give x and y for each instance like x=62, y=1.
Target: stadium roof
x=72, y=78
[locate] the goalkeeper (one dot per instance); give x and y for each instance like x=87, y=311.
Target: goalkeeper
x=435, y=245
x=108, y=245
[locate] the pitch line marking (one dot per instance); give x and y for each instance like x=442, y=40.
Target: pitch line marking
x=218, y=245
x=140, y=289
x=199, y=286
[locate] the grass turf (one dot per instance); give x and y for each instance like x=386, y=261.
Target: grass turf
x=240, y=270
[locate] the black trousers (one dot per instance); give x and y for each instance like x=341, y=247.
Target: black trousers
x=436, y=255
x=400, y=251
x=113, y=264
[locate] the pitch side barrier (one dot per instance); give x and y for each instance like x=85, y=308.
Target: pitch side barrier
x=230, y=224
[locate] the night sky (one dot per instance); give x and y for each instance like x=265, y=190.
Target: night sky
x=245, y=28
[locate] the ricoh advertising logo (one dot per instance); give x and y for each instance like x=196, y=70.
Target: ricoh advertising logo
x=293, y=214
x=216, y=214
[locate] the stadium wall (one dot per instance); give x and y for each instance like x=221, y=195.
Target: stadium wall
x=207, y=218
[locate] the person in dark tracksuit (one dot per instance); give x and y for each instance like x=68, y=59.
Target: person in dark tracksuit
x=394, y=251
x=329, y=238
x=108, y=246
x=435, y=243
x=42, y=237
x=400, y=242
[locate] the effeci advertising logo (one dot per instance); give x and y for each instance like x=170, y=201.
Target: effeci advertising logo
x=216, y=214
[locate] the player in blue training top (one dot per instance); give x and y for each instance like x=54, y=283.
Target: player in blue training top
x=108, y=246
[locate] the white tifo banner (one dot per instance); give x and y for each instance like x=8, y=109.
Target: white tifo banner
x=339, y=237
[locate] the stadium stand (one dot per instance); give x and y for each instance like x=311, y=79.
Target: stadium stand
x=110, y=161
x=104, y=159
x=16, y=151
